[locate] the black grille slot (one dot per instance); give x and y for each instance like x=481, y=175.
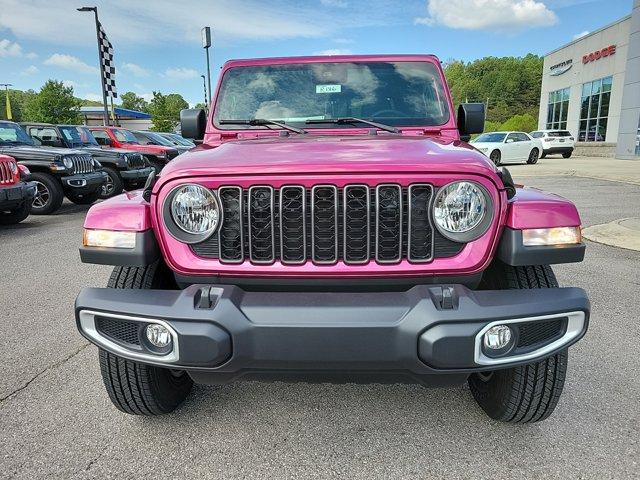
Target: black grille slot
x=388, y=223
x=324, y=223
x=122, y=331
x=534, y=333
x=261, y=222
x=293, y=230
x=135, y=160
x=230, y=239
x=356, y=220
x=420, y=234
x=82, y=164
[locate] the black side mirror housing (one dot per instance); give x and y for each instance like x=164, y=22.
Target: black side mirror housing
x=193, y=123
x=470, y=119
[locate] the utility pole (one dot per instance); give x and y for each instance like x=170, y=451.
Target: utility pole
x=8, y=106
x=104, y=90
x=206, y=43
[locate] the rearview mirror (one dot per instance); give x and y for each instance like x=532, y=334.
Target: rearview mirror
x=193, y=122
x=470, y=119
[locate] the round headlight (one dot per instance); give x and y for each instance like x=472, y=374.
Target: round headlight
x=195, y=210
x=462, y=211
x=67, y=162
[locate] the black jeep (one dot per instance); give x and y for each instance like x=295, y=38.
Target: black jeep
x=126, y=169
x=57, y=172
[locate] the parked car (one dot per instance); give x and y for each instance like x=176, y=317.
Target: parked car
x=555, y=141
x=126, y=169
x=177, y=140
x=509, y=147
x=117, y=137
x=152, y=138
x=57, y=172
x=16, y=195
x=364, y=243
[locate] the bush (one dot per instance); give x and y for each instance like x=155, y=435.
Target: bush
x=520, y=123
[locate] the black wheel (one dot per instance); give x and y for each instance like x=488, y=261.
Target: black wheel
x=49, y=194
x=543, y=155
x=528, y=393
x=495, y=157
x=567, y=155
x=114, y=184
x=85, y=198
x=133, y=387
x=533, y=156
x=16, y=215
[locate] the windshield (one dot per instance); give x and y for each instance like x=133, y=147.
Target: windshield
x=562, y=133
x=537, y=134
x=12, y=134
x=78, y=136
x=178, y=140
x=158, y=139
x=393, y=93
x=125, y=136
x=490, y=137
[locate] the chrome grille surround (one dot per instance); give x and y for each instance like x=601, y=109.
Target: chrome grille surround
x=6, y=175
x=81, y=164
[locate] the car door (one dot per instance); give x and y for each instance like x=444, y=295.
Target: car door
x=525, y=145
x=511, y=148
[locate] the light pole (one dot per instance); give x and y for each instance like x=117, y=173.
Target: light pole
x=104, y=92
x=8, y=106
x=204, y=84
x=206, y=43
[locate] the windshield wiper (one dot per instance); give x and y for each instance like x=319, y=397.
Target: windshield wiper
x=354, y=120
x=262, y=122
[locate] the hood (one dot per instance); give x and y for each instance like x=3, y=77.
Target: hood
x=28, y=152
x=331, y=154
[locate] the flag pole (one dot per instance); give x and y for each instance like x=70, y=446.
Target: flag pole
x=104, y=90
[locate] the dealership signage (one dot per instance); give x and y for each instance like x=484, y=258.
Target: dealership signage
x=598, y=54
x=561, y=67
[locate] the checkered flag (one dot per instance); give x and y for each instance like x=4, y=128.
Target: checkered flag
x=109, y=69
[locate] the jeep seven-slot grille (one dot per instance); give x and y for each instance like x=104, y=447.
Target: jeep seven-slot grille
x=134, y=160
x=6, y=176
x=325, y=224
x=82, y=163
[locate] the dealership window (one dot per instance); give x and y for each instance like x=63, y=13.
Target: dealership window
x=557, y=109
x=594, y=110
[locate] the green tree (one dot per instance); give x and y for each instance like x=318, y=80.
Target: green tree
x=54, y=103
x=165, y=111
x=18, y=100
x=520, y=123
x=132, y=101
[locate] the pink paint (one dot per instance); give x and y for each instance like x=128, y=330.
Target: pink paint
x=128, y=212
x=533, y=208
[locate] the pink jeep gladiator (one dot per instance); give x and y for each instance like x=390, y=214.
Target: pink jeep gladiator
x=334, y=226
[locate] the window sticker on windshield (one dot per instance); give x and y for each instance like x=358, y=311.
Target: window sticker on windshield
x=328, y=88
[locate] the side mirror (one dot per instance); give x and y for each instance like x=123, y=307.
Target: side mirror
x=193, y=123
x=470, y=119
x=104, y=141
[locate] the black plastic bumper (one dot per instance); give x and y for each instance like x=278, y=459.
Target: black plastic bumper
x=85, y=182
x=16, y=194
x=512, y=251
x=224, y=332
x=552, y=150
x=138, y=175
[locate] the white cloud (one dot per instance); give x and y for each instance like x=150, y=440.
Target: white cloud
x=491, y=15
x=31, y=70
x=334, y=3
x=74, y=84
x=31, y=55
x=581, y=34
x=9, y=49
x=94, y=97
x=147, y=96
x=135, y=70
x=70, y=62
x=334, y=51
x=181, y=73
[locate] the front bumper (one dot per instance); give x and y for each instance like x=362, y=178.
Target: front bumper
x=15, y=195
x=138, y=175
x=223, y=332
x=85, y=182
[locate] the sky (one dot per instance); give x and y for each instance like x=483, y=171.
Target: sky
x=158, y=48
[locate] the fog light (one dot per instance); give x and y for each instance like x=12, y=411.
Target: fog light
x=497, y=338
x=158, y=335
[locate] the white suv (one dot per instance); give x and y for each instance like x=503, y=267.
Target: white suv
x=555, y=141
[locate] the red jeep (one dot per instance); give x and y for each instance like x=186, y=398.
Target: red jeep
x=16, y=195
x=333, y=225
x=117, y=137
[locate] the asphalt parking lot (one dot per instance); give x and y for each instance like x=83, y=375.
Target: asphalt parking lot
x=56, y=420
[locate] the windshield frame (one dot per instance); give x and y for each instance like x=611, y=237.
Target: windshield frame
x=28, y=140
x=504, y=137
x=449, y=123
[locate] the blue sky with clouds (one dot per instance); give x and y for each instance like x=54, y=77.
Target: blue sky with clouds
x=157, y=43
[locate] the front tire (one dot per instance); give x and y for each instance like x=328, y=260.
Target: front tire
x=533, y=157
x=133, y=387
x=114, y=184
x=49, y=194
x=495, y=157
x=527, y=393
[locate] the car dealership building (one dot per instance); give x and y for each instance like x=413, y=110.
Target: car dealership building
x=591, y=87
